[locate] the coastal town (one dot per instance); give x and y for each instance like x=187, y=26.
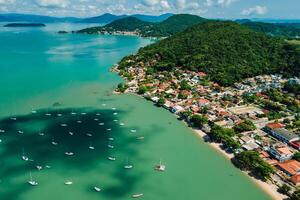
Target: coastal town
x=256, y=119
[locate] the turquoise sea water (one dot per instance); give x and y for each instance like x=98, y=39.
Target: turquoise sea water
x=66, y=79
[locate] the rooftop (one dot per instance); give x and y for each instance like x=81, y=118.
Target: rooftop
x=290, y=166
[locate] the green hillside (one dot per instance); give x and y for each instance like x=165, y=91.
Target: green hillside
x=227, y=51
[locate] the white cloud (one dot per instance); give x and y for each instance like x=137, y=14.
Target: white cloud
x=165, y=5
x=257, y=10
x=53, y=3
x=222, y=3
x=180, y=4
x=150, y=2
x=7, y=1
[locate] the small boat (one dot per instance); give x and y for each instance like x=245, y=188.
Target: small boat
x=111, y=139
x=101, y=124
x=91, y=147
x=32, y=182
x=103, y=104
x=39, y=167
x=71, y=133
x=69, y=153
x=2, y=131
x=98, y=114
x=133, y=131
x=48, y=166
x=96, y=119
x=114, y=108
x=79, y=121
x=115, y=113
x=109, y=129
x=54, y=143
x=33, y=111
x=25, y=158
x=111, y=158
x=68, y=183
x=110, y=146
x=73, y=113
x=89, y=135
x=13, y=118
x=41, y=133
x=137, y=195
x=21, y=132
x=115, y=120
x=122, y=124
x=140, y=138
x=160, y=167
x=128, y=166
x=0, y=140
x=83, y=113
x=64, y=125
x=48, y=114
x=59, y=115
x=97, y=189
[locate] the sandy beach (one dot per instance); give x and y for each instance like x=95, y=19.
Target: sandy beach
x=268, y=187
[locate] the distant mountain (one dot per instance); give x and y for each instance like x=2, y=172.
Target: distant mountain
x=151, y=18
x=12, y=17
x=102, y=19
x=228, y=52
x=108, y=18
x=170, y=26
x=279, y=30
x=25, y=25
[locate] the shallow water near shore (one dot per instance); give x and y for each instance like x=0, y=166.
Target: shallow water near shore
x=65, y=80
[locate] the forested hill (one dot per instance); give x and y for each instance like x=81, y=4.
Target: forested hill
x=170, y=26
x=278, y=30
x=227, y=51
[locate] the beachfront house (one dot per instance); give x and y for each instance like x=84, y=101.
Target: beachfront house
x=290, y=167
x=281, y=153
x=280, y=133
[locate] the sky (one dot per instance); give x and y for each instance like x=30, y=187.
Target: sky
x=228, y=9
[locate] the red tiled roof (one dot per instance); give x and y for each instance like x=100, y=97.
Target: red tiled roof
x=204, y=101
x=275, y=125
x=296, y=179
x=290, y=166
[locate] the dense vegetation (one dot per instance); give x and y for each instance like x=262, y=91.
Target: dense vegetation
x=250, y=161
x=226, y=51
x=168, y=27
x=279, y=30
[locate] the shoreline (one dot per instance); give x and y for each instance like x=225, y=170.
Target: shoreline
x=269, y=188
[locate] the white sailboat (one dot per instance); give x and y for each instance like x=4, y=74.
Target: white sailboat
x=25, y=158
x=97, y=189
x=91, y=147
x=69, y=153
x=137, y=195
x=128, y=166
x=133, y=131
x=32, y=182
x=111, y=158
x=160, y=167
x=71, y=133
x=53, y=142
x=68, y=183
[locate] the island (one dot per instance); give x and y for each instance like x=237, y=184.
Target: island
x=25, y=25
x=62, y=32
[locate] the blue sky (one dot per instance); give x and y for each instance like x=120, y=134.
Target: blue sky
x=279, y=9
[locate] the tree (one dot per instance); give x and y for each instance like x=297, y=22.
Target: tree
x=296, y=195
x=297, y=156
x=284, y=189
x=184, y=85
x=161, y=102
x=246, y=125
x=199, y=120
x=219, y=134
x=143, y=89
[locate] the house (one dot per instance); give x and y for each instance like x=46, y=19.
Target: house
x=177, y=109
x=203, y=102
x=281, y=153
x=248, y=143
x=282, y=134
x=155, y=99
x=295, y=144
x=290, y=167
x=295, y=179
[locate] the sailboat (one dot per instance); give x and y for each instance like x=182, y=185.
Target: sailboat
x=89, y=134
x=101, y=124
x=110, y=145
x=25, y=158
x=68, y=183
x=97, y=189
x=32, y=182
x=33, y=111
x=13, y=118
x=98, y=114
x=20, y=131
x=63, y=125
x=111, y=158
x=133, y=131
x=160, y=167
x=91, y=147
x=128, y=166
x=137, y=195
x=54, y=143
x=71, y=133
x=69, y=153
